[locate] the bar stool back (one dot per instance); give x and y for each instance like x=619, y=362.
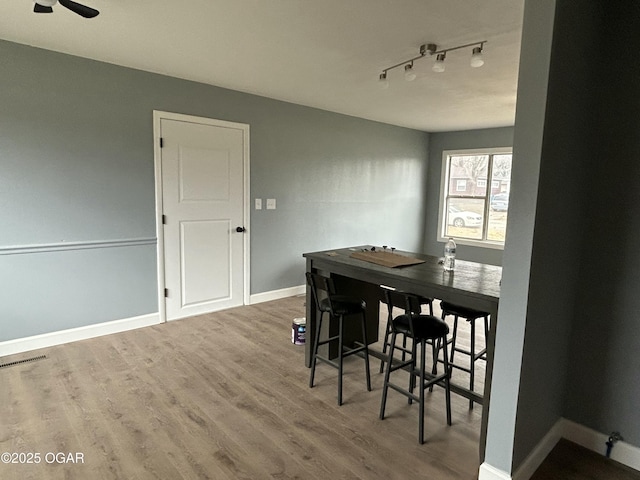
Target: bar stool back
x=398, y=299
x=420, y=329
x=344, y=308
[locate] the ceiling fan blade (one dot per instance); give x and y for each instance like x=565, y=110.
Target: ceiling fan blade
x=37, y=8
x=82, y=10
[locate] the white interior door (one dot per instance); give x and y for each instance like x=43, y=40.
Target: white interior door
x=203, y=206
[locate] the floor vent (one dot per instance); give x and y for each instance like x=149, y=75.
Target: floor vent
x=20, y=362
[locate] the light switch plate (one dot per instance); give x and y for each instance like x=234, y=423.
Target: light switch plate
x=258, y=204
x=271, y=203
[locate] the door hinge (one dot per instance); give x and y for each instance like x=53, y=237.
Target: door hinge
x=161, y=142
x=164, y=219
x=166, y=293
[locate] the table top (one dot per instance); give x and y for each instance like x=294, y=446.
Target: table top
x=472, y=284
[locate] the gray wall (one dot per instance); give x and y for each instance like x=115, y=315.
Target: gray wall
x=77, y=244
x=571, y=311
x=605, y=349
x=569, y=153
x=338, y=181
x=438, y=142
x=517, y=255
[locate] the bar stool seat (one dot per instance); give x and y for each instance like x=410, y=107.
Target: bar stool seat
x=461, y=311
x=420, y=329
x=344, y=308
x=470, y=315
x=342, y=305
x=417, y=302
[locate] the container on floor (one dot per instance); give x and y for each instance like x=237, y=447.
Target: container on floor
x=298, y=331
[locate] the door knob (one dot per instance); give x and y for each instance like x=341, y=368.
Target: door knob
x=240, y=229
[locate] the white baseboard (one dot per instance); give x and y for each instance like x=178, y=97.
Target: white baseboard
x=540, y=452
x=45, y=340
x=622, y=452
x=488, y=472
x=277, y=294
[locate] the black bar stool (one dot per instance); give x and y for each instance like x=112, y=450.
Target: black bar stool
x=470, y=315
x=400, y=302
x=343, y=308
x=420, y=329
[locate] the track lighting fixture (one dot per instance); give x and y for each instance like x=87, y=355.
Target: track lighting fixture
x=429, y=50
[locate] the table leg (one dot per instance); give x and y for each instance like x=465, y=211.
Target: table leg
x=491, y=341
x=372, y=295
x=311, y=320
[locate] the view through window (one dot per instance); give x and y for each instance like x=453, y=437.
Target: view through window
x=475, y=196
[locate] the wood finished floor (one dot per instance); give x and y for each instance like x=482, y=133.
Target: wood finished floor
x=225, y=396
x=568, y=461
x=220, y=396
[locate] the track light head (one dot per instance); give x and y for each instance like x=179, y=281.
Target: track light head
x=383, y=83
x=438, y=65
x=476, y=57
x=409, y=74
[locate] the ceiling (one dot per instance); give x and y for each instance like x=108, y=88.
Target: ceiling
x=320, y=53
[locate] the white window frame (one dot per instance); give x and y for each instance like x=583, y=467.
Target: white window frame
x=444, y=185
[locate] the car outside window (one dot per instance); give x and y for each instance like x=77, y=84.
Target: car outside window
x=474, y=199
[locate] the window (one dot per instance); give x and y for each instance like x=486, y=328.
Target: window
x=461, y=185
x=470, y=211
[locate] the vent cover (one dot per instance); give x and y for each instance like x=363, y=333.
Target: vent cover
x=20, y=362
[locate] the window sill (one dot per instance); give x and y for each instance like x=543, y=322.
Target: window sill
x=474, y=243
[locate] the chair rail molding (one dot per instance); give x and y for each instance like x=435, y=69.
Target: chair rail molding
x=79, y=245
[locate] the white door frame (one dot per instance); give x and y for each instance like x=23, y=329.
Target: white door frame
x=157, y=116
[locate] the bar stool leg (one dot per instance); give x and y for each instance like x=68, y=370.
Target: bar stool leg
x=412, y=373
x=445, y=342
x=385, y=344
x=340, y=360
x=366, y=351
x=453, y=338
x=472, y=357
x=315, y=350
x=423, y=349
x=435, y=347
x=404, y=348
x=486, y=335
x=387, y=373
x=447, y=383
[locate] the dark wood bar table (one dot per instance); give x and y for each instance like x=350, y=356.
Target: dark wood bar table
x=471, y=284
